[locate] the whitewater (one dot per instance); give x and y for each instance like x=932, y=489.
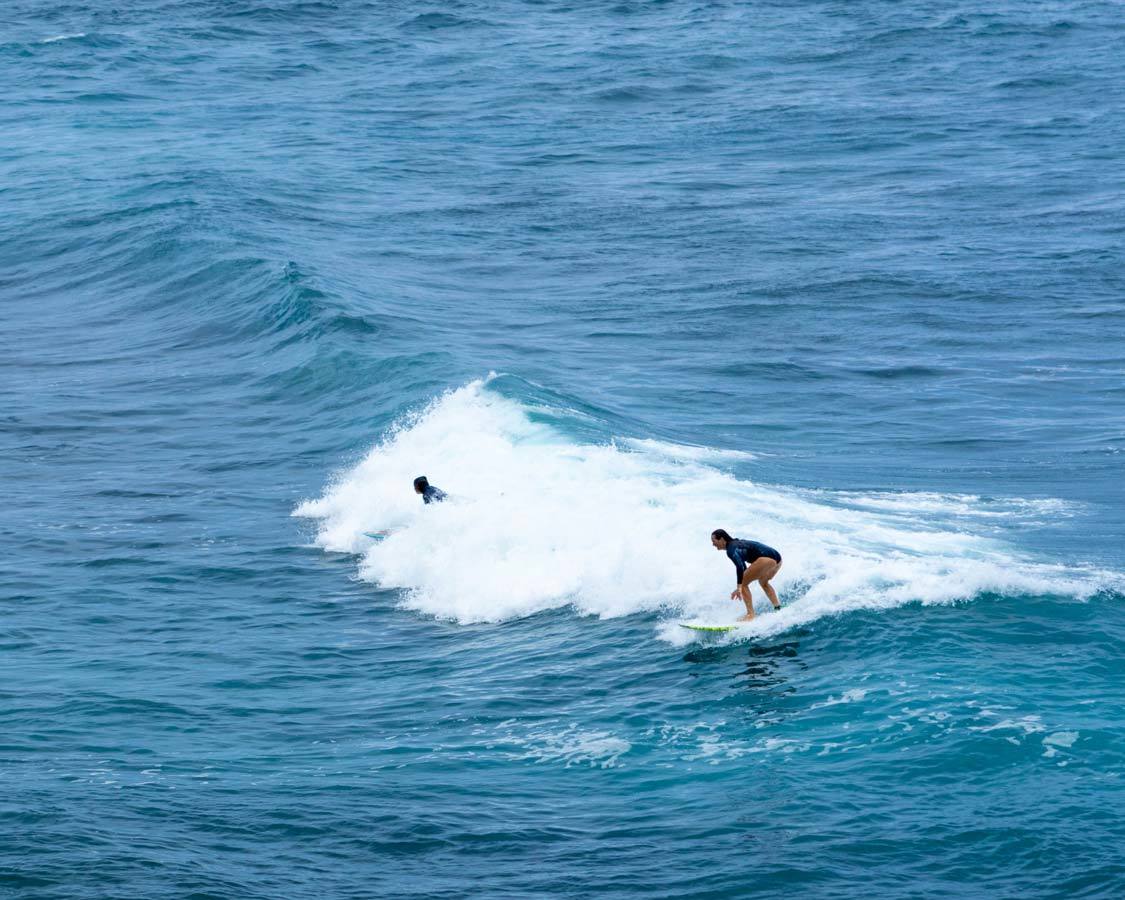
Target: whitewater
x=537, y=521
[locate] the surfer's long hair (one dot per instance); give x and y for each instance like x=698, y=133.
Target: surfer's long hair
x=722, y=535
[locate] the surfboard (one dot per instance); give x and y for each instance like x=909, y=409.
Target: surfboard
x=711, y=629
x=376, y=535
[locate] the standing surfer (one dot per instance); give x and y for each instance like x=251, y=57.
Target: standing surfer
x=752, y=562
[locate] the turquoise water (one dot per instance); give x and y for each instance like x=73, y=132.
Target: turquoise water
x=844, y=278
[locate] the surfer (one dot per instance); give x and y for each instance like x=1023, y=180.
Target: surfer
x=752, y=562
x=430, y=494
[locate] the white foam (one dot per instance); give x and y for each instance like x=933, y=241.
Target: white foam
x=1026, y=725
x=855, y=695
x=690, y=452
x=536, y=521
x=1061, y=739
x=573, y=746
x=954, y=506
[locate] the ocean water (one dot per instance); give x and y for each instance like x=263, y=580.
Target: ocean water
x=846, y=278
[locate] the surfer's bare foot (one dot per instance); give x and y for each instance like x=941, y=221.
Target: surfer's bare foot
x=746, y=618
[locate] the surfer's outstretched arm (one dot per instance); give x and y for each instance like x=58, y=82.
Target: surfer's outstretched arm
x=739, y=571
x=743, y=592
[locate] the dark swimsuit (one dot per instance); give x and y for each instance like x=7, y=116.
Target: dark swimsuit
x=743, y=553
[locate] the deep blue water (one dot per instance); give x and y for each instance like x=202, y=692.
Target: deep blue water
x=844, y=277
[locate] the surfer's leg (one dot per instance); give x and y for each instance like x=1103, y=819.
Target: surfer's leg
x=762, y=570
x=764, y=581
x=744, y=591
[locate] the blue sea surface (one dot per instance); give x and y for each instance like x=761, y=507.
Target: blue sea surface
x=846, y=278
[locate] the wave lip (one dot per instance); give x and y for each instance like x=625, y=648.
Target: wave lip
x=538, y=521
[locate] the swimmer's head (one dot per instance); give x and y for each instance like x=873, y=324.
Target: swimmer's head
x=420, y=484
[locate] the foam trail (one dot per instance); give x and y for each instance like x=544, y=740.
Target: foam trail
x=536, y=522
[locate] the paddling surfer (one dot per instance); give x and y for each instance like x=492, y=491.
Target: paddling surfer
x=752, y=562
x=430, y=494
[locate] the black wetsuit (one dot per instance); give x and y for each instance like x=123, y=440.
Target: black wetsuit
x=742, y=553
x=431, y=494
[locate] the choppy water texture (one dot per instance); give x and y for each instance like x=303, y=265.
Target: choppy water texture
x=843, y=277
